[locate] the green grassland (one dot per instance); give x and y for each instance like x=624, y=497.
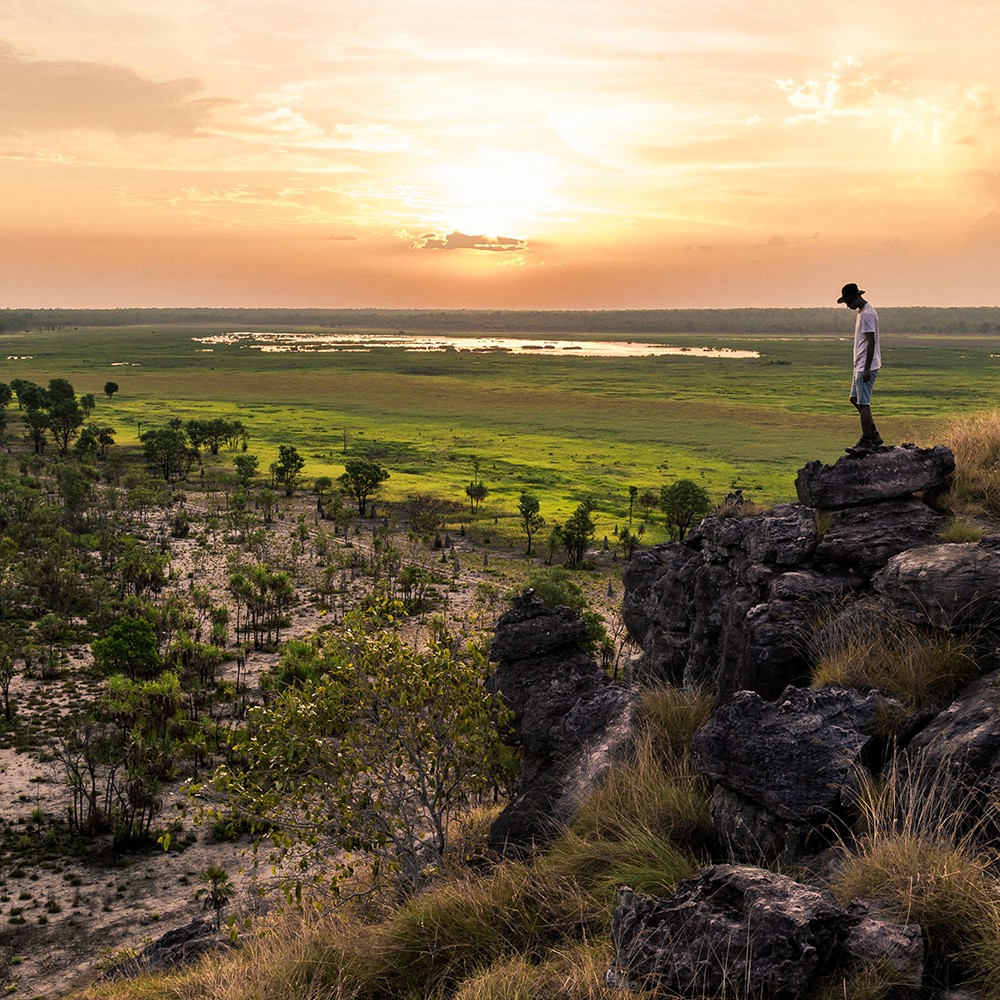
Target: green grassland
x=560, y=427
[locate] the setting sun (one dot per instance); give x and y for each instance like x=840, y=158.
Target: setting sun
x=498, y=193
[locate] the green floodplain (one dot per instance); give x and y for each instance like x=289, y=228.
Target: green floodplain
x=556, y=424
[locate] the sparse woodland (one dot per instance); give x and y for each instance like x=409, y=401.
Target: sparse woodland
x=204, y=660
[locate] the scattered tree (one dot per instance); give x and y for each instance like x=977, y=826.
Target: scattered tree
x=531, y=521
x=288, y=468
x=362, y=479
x=110, y=388
x=683, y=503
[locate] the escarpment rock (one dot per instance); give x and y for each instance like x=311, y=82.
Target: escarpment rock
x=964, y=741
x=955, y=586
x=885, y=474
x=745, y=932
x=787, y=767
x=734, y=931
x=735, y=605
x=570, y=720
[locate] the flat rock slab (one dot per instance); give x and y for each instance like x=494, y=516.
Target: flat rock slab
x=884, y=474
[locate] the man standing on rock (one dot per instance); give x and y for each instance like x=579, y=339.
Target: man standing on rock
x=867, y=361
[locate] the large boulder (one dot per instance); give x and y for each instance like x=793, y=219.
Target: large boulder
x=964, y=740
x=952, y=585
x=570, y=721
x=796, y=759
x=734, y=931
x=884, y=474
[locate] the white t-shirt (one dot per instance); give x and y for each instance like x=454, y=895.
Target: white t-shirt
x=867, y=322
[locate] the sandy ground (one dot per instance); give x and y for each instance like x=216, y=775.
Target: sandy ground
x=80, y=914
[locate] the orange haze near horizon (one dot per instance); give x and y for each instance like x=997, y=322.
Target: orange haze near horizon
x=599, y=154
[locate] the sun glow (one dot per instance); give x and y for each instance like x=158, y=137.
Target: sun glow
x=499, y=193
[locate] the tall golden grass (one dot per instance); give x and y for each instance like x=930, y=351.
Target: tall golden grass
x=867, y=646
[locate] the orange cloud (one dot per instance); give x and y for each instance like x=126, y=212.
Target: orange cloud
x=46, y=96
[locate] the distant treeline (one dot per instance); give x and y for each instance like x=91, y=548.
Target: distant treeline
x=900, y=319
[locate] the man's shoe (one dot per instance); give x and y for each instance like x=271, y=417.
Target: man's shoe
x=863, y=447
x=877, y=441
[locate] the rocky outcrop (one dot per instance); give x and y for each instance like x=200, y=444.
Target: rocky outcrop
x=785, y=769
x=569, y=719
x=741, y=932
x=734, y=606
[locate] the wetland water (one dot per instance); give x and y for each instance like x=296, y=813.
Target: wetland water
x=273, y=343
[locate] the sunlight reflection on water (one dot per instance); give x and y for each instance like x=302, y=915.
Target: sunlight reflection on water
x=280, y=343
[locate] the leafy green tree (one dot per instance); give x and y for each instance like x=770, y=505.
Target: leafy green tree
x=578, y=532
x=37, y=422
x=408, y=742
x=128, y=648
x=647, y=502
x=30, y=396
x=683, y=503
x=110, y=388
x=531, y=521
x=288, y=468
x=246, y=469
x=169, y=450
x=66, y=416
x=362, y=478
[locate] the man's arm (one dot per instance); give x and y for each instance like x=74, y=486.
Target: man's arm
x=869, y=336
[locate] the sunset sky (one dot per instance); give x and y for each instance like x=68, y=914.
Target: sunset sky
x=594, y=154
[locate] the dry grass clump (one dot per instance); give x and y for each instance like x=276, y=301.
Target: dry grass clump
x=975, y=442
x=291, y=957
x=659, y=791
x=918, y=848
x=961, y=530
x=464, y=925
x=573, y=973
x=867, y=647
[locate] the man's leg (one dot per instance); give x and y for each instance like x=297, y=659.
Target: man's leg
x=867, y=424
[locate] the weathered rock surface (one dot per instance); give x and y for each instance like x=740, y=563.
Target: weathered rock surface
x=885, y=474
x=964, y=740
x=733, y=607
x=734, y=931
x=570, y=720
x=865, y=538
x=874, y=937
x=953, y=585
x=179, y=946
x=789, y=763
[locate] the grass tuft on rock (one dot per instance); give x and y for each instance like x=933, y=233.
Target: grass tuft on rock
x=866, y=647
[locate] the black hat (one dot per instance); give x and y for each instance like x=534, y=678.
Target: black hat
x=850, y=292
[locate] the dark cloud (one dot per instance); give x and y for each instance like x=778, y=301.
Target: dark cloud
x=461, y=241
x=43, y=96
